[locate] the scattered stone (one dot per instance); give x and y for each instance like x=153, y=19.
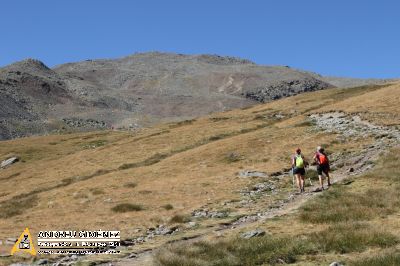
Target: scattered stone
x=200, y=213
x=279, y=116
x=192, y=224
x=253, y=233
x=83, y=201
x=244, y=219
x=251, y=173
x=127, y=242
x=318, y=189
x=351, y=170
x=78, y=123
x=205, y=213
x=279, y=173
x=347, y=182
x=281, y=261
x=132, y=256
x=137, y=230
x=11, y=241
x=258, y=189
x=160, y=230
x=9, y=162
x=42, y=262
x=67, y=260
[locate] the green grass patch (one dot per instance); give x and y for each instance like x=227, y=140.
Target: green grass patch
x=127, y=207
x=307, y=123
x=97, y=191
x=180, y=219
x=312, y=174
x=149, y=161
x=130, y=185
x=168, y=207
x=352, y=237
x=260, y=117
x=346, y=93
x=182, y=123
x=339, y=205
x=233, y=157
x=235, y=252
x=17, y=205
x=387, y=259
x=220, y=118
x=94, y=144
x=271, y=250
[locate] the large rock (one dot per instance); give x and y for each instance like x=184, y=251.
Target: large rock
x=253, y=233
x=335, y=264
x=9, y=162
x=251, y=173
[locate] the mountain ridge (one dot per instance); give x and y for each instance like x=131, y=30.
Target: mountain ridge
x=136, y=91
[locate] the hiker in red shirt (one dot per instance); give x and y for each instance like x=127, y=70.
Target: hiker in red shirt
x=322, y=161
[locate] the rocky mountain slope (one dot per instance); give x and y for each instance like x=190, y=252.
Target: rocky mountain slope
x=137, y=91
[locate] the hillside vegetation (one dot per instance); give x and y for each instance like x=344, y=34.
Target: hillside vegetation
x=164, y=175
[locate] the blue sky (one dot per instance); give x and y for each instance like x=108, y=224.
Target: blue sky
x=344, y=38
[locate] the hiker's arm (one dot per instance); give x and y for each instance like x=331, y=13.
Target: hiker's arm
x=315, y=158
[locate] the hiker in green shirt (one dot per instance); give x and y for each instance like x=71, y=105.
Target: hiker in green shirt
x=298, y=167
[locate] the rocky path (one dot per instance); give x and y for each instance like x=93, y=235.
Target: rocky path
x=347, y=127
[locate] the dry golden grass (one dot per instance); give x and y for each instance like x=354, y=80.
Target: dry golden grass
x=352, y=234
x=75, y=180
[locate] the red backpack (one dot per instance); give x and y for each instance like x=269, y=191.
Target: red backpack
x=322, y=158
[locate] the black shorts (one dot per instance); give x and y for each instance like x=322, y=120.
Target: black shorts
x=299, y=171
x=322, y=168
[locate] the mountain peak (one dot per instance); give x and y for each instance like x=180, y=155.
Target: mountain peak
x=29, y=65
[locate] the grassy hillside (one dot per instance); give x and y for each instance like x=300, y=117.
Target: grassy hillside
x=356, y=222
x=132, y=181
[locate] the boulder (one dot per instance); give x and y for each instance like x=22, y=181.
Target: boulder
x=11, y=241
x=43, y=262
x=253, y=233
x=335, y=264
x=251, y=173
x=9, y=162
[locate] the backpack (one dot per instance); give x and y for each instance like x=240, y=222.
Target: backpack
x=322, y=158
x=299, y=161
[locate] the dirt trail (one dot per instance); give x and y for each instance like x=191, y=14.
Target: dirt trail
x=347, y=127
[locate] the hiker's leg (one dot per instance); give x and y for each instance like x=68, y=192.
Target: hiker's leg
x=321, y=181
x=298, y=180
x=302, y=183
x=320, y=177
x=328, y=177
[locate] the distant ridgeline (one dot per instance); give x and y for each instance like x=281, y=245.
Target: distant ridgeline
x=139, y=90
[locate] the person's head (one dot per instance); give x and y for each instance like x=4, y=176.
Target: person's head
x=320, y=149
x=298, y=151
